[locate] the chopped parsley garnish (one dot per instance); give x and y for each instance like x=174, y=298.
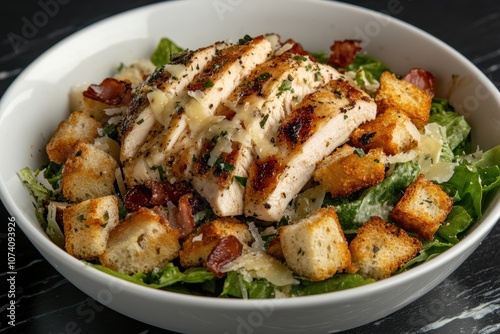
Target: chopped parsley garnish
x=244, y=40
x=300, y=58
x=263, y=121
x=160, y=171
x=208, y=84
x=241, y=180
x=359, y=152
x=222, y=167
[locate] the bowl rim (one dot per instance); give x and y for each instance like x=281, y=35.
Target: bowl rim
x=44, y=244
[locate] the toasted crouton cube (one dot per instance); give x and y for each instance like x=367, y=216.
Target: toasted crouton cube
x=199, y=245
x=141, y=242
x=78, y=127
x=380, y=248
x=402, y=95
x=88, y=173
x=346, y=171
x=87, y=226
x=423, y=208
x=392, y=131
x=315, y=247
x=274, y=249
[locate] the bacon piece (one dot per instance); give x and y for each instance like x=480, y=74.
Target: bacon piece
x=183, y=217
x=228, y=249
x=110, y=91
x=344, y=52
x=155, y=193
x=137, y=197
x=422, y=79
x=164, y=191
x=299, y=49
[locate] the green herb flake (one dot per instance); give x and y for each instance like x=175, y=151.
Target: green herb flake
x=245, y=39
x=208, y=84
x=263, y=77
x=160, y=170
x=139, y=122
x=300, y=58
x=263, y=122
x=242, y=181
x=285, y=85
x=80, y=218
x=359, y=152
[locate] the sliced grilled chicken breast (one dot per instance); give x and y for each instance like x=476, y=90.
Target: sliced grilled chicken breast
x=170, y=81
x=192, y=109
x=321, y=122
x=246, y=120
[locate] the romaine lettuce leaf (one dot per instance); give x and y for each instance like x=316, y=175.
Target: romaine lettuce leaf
x=366, y=67
x=378, y=200
x=164, y=51
x=457, y=128
x=430, y=250
x=236, y=286
x=336, y=283
x=457, y=222
x=164, y=277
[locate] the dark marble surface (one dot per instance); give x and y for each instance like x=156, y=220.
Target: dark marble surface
x=466, y=302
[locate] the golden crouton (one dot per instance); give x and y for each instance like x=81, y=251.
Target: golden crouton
x=406, y=97
x=315, y=247
x=380, y=248
x=274, y=249
x=87, y=226
x=392, y=131
x=141, y=242
x=346, y=171
x=78, y=127
x=423, y=208
x=88, y=173
x=199, y=245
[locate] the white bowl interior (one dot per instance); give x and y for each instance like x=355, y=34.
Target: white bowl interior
x=38, y=100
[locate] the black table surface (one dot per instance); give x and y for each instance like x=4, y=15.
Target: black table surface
x=468, y=301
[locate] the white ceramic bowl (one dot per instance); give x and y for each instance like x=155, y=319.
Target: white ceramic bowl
x=38, y=100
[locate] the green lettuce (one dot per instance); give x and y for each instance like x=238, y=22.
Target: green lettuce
x=164, y=277
x=164, y=51
x=336, y=283
x=430, y=250
x=378, y=200
x=236, y=286
x=457, y=128
x=366, y=68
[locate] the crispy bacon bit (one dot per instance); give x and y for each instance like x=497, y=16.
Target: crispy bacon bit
x=155, y=193
x=164, y=191
x=422, y=79
x=183, y=218
x=344, y=52
x=137, y=197
x=298, y=49
x=110, y=91
x=227, y=250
